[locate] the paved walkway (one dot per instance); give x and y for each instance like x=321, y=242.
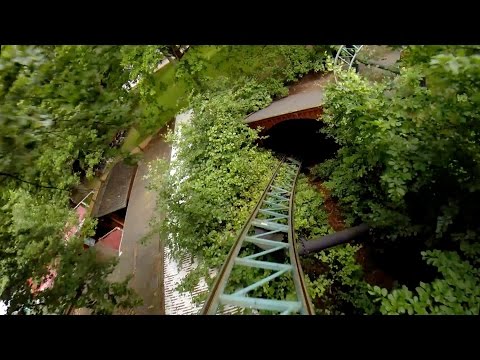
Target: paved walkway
x=145, y=262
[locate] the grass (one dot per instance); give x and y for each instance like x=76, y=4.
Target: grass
x=172, y=93
x=133, y=139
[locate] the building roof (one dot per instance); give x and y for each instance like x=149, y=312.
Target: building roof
x=112, y=239
x=114, y=192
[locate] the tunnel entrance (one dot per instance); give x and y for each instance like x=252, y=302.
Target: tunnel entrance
x=300, y=138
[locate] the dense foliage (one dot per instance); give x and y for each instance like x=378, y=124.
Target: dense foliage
x=217, y=177
x=334, y=277
x=310, y=218
x=457, y=291
x=61, y=106
x=408, y=166
x=165, y=92
x=219, y=173
x=336, y=282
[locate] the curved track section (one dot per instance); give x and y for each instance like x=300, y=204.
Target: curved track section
x=266, y=242
x=346, y=55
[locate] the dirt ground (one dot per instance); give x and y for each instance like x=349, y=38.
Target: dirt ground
x=309, y=81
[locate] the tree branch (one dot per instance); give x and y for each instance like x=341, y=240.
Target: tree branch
x=31, y=183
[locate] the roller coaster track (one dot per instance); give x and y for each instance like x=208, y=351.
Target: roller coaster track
x=346, y=55
x=267, y=242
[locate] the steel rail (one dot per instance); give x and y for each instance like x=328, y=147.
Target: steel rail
x=273, y=201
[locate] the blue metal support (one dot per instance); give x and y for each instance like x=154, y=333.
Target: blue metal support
x=272, y=223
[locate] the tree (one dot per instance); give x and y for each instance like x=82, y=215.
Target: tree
x=408, y=165
x=219, y=172
x=455, y=291
x=208, y=190
x=60, y=105
x=141, y=63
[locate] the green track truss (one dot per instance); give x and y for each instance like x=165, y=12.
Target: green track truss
x=346, y=56
x=270, y=229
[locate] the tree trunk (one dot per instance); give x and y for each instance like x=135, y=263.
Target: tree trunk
x=31, y=183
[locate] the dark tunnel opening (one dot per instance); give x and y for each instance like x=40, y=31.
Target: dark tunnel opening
x=300, y=138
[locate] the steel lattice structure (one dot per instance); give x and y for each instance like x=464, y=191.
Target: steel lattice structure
x=346, y=55
x=270, y=229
